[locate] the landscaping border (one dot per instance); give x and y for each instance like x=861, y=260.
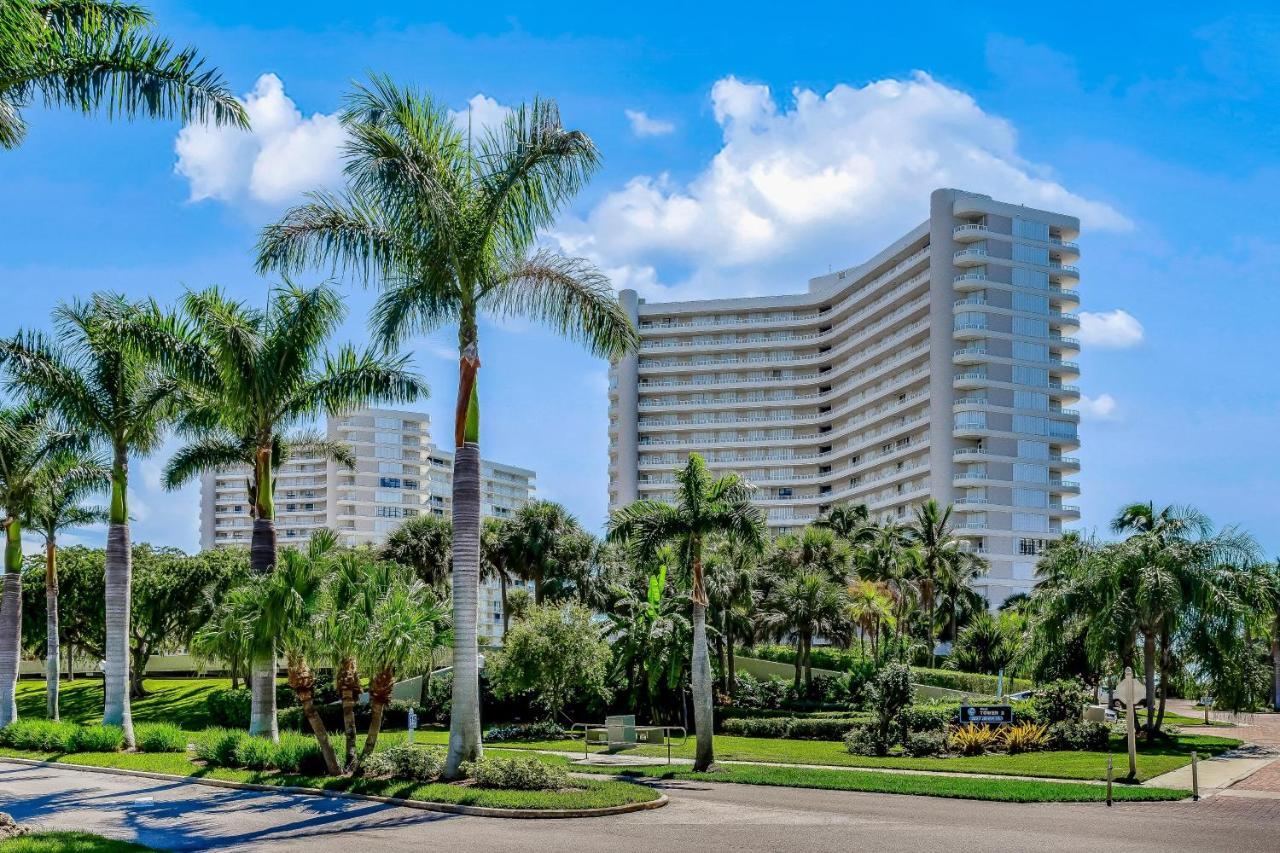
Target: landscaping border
x=422, y=805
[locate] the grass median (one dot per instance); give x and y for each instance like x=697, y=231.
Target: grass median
x=68, y=842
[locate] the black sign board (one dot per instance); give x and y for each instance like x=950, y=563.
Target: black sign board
x=991, y=715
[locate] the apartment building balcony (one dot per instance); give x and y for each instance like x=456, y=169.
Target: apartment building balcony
x=1071, y=486
x=969, y=231
x=1059, y=461
x=968, y=501
x=971, y=280
x=803, y=419
x=970, y=379
x=969, y=257
x=1064, y=511
x=793, y=440
x=1064, y=270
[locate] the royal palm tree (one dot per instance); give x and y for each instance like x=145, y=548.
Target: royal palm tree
x=939, y=551
x=703, y=508
x=448, y=228
x=65, y=481
x=28, y=443
x=246, y=377
x=99, y=381
x=94, y=56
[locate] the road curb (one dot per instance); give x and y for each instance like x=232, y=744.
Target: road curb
x=421, y=805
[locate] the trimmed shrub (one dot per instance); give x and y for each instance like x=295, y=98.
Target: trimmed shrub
x=523, y=774
x=161, y=737
x=545, y=730
x=1079, y=735
x=972, y=739
x=219, y=746
x=967, y=682
x=97, y=739
x=254, y=753
x=1060, y=702
x=229, y=708
x=801, y=728
x=1024, y=737
x=296, y=753
x=407, y=762
x=889, y=696
x=862, y=740
x=930, y=718
x=926, y=744
x=38, y=735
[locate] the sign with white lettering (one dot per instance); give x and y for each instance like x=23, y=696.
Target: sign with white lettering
x=990, y=715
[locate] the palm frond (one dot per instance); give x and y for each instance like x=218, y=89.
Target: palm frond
x=211, y=453
x=351, y=379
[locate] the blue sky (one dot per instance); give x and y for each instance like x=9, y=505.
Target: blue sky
x=744, y=152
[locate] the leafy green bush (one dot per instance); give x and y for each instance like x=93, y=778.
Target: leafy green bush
x=1079, y=735
x=545, y=730
x=766, y=695
x=38, y=735
x=229, y=708
x=889, y=696
x=800, y=728
x=255, y=753
x=97, y=739
x=219, y=746
x=161, y=737
x=407, y=762
x=863, y=740
x=1060, y=702
x=930, y=718
x=296, y=753
x=925, y=744
x=967, y=682
x=524, y=774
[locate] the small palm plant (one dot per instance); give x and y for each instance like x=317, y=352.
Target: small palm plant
x=704, y=508
x=94, y=55
x=448, y=229
x=65, y=481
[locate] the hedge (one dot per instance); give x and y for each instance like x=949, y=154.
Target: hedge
x=798, y=728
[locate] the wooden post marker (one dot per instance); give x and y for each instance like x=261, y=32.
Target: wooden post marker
x=1130, y=691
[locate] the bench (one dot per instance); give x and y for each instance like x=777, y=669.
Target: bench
x=620, y=732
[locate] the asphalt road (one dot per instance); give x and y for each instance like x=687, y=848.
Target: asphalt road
x=181, y=816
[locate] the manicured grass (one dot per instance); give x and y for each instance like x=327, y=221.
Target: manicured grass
x=1153, y=760
x=179, y=701
x=958, y=787
x=587, y=793
x=68, y=842
x=1171, y=719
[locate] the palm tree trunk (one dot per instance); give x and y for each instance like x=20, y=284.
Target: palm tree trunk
x=703, y=712
x=53, y=668
x=10, y=622
x=262, y=560
x=799, y=664
x=808, y=660
x=303, y=683
x=464, y=718
x=349, y=691
x=732, y=662
x=380, y=687
x=1166, y=664
x=1149, y=671
x=722, y=656
x=119, y=591
x=506, y=614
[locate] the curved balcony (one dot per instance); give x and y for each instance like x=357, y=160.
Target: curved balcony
x=969, y=231
x=970, y=257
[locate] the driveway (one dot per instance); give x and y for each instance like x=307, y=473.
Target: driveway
x=712, y=817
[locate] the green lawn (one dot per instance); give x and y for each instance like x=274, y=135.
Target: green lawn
x=68, y=842
x=173, y=700
x=588, y=793
x=1152, y=760
x=999, y=790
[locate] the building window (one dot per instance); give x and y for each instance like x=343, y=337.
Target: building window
x=1030, y=523
x=1031, y=400
x=1030, y=229
x=1030, y=327
x=1031, y=303
x=1027, y=351
x=389, y=482
x=1035, y=376
x=1033, y=450
x=1031, y=254
x=970, y=420
x=1023, y=277
x=1024, y=472
x=388, y=512
x=1032, y=547
x=1035, y=498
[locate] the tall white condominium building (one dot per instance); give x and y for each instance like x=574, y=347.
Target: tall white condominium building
x=398, y=474
x=939, y=368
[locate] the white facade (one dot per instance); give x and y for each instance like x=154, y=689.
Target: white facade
x=398, y=474
x=939, y=368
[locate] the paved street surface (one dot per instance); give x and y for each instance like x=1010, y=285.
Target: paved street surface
x=180, y=816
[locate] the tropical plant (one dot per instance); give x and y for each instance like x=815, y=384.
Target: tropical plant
x=871, y=609
x=27, y=445
x=66, y=480
x=423, y=543
x=851, y=522
x=988, y=644
x=93, y=56
x=732, y=568
x=703, y=508
x=536, y=543
x=973, y=739
x=805, y=605
x=495, y=557
x=447, y=228
x=101, y=384
x=940, y=554
x=249, y=375
x=554, y=655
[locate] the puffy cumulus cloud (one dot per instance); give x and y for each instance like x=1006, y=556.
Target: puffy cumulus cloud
x=642, y=124
x=284, y=155
x=1116, y=329
x=483, y=112
x=1099, y=408
x=822, y=181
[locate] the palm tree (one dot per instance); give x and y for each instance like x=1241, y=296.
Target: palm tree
x=956, y=593
x=495, y=557
x=102, y=385
x=98, y=56
x=805, y=605
x=424, y=544
x=732, y=567
x=538, y=532
x=939, y=552
x=27, y=445
x=871, y=609
x=66, y=480
x=704, y=508
x=851, y=522
x=246, y=377
x=888, y=559
x=447, y=227
x=1170, y=560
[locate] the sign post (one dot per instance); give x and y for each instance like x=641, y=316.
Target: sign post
x=413, y=724
x=987, y=715
x=1130, y=691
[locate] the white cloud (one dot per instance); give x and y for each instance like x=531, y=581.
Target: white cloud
x=486, y=114
x=282, y=156
x=1099, y=408
x=824, y=180
x=644, y=125
x=1116, y=329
